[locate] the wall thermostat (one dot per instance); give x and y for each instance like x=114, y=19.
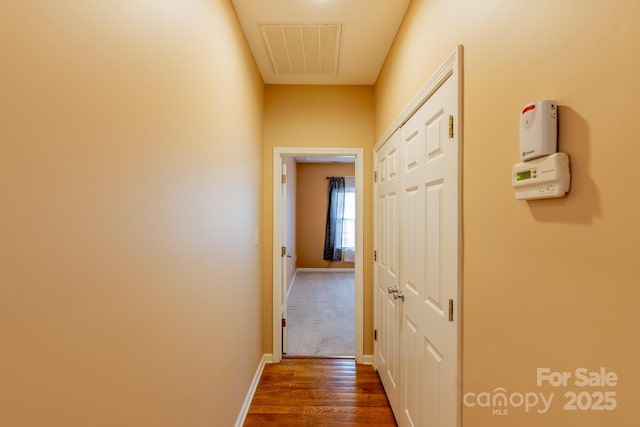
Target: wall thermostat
x=542, y=178
x=538, y=129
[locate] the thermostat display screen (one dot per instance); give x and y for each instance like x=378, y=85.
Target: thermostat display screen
x=520, y=176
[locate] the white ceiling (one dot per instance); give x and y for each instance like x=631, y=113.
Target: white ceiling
x=331, y=42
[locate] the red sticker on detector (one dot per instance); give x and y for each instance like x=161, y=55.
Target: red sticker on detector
x=529, y=108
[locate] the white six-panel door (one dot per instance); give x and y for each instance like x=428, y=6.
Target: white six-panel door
x=417, y=243
x=388, y=267
x=429, y=267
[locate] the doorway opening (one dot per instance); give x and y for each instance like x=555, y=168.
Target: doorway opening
x=340, y=308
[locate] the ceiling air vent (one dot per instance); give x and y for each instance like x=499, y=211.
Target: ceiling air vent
x=303, y=48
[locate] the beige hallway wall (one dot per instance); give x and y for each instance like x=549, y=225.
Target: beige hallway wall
x=547, y=284
x=130, y=141
x=317, y=116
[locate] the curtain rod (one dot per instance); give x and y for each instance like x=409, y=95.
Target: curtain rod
x=339, y=177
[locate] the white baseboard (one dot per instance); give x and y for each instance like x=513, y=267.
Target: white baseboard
x=367, y=359
x=266, y=358
x=328, y=270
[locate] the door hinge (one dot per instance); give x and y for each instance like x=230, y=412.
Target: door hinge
x=284, y=178
x=450, y=126
x=375, y=335
x=283, y=251
x=375, y=255
x=450, y=310
x=375, y=176
x=284, y=323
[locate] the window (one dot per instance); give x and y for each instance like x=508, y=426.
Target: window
x=340, y=229
x=349, y=221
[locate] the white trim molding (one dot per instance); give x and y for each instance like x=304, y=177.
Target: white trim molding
x=266, y=358
x=368, y=359
x=453, y=64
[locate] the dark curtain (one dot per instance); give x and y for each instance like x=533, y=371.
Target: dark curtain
x=335, y=215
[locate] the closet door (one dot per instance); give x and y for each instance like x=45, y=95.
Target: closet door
x=387, y=267
x=429, y=268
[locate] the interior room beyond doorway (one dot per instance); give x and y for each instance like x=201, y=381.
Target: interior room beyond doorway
x=320, y=247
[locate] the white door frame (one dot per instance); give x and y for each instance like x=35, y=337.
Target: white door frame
x=278, y=153
x=452, y=67
x=284, y=265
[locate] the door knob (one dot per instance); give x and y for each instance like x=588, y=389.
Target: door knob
x=393, y=290
x=398, y=295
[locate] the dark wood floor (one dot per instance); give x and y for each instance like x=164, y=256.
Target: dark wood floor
x=319, y=392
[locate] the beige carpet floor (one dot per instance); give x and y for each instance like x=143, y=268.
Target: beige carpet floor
x=321, y=314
